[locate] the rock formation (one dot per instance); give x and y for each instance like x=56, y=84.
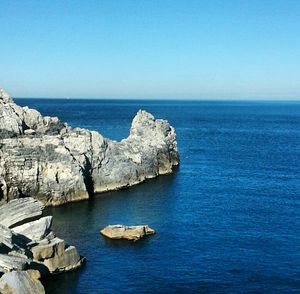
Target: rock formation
x=132, y=233
x=27, y=243
x=44, y=158
x=21, y=282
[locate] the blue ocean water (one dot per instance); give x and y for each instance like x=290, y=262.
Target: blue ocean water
x=228, y=219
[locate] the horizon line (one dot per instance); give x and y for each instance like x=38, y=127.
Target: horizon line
x=167, y=99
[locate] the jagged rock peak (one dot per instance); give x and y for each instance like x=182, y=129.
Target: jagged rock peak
x=18, y=121
x=5, y=97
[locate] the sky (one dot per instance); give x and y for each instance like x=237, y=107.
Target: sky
x=189, y=49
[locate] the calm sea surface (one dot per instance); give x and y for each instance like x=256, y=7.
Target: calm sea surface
x=227, y=221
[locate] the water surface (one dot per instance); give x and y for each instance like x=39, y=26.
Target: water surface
x=227, y=221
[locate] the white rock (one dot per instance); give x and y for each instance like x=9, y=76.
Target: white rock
x=21, y=282
x=5, y=97
x=35, y=230
x=6, y=236
x=9, y=263
x=19, y=211
x=29, y=132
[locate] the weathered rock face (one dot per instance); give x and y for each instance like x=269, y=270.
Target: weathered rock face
x=132, y=233
x=35, y=230
x=21, y=282
x=45, y=158
x=20, y=211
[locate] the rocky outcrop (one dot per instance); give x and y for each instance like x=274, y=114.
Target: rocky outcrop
x=45, y=158
x=27, y=243
x=132, y=233
x=64, y=261
x=21, y=282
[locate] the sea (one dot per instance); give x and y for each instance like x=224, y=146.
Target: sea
x=227, y=219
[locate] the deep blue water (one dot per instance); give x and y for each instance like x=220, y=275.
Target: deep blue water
x=227, y=221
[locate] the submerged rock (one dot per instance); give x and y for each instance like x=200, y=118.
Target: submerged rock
x=133, y=233
x=21, y=282
x=45, y=158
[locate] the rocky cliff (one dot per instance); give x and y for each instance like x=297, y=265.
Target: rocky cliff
x=41, y=156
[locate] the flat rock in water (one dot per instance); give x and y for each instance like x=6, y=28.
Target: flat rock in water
x=133, y=233
x=20, y=211
x=21, y=282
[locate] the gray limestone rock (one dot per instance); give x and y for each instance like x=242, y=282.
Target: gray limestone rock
x=32, y=244
x=21, y=282
x=27, y=243
x=35, y=230
x=19, y=211
x=6, y=237
x=9, y=263
x=10, y=240
x=68, y=260
x=45, y=158
x=44, y=250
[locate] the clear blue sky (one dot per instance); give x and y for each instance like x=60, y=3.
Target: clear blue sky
x=151, y=48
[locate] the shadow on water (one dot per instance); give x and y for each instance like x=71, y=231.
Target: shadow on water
x=127, y=243
x=60, y=283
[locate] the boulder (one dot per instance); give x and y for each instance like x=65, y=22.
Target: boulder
x=67, y=261
x=11, y=240
x=6, y=236
x=43, y=251
x=9, y=263
x=21, y=282
x=35, y=230
x=5, y=97
x=133, y=233
x=30, y=132
x=19, y=211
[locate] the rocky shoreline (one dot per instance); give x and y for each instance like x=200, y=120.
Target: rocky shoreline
x=45, y=162
x=29, y=249
x=44, y=158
